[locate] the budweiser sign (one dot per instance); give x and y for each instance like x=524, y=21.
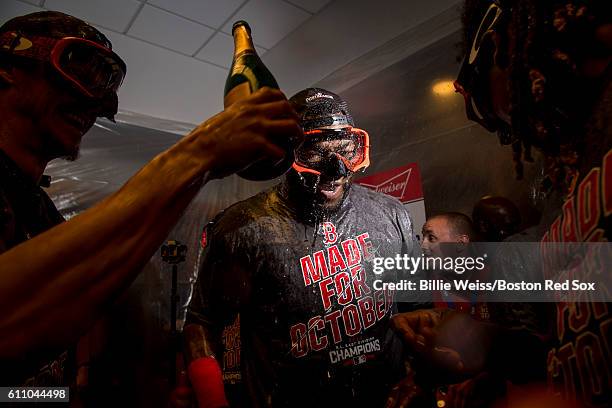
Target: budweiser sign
x=403, y=183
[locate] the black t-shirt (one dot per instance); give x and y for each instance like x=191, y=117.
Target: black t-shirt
x=26, y=211
x=294, y=306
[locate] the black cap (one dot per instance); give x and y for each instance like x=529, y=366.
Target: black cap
x=319, y=108
x=54, y=24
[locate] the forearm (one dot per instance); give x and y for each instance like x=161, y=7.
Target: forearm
x=53, y=286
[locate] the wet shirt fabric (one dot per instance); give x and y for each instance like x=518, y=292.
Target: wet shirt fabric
x=26, y=211
x=294, y=305
x=579, y=361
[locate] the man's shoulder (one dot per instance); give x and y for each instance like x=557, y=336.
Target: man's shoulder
x=245, y=213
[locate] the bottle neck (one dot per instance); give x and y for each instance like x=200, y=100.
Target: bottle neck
x=243, y=43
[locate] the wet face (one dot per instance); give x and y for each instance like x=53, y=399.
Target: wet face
x=436, y=231
x=332, y=187
x=45, y=106
x=335, y=179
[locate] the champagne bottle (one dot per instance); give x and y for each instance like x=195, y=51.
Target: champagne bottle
x=248, y=74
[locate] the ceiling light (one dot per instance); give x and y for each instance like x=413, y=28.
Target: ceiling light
x=443, y=88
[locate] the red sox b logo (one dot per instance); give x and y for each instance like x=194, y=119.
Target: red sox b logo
x=329, y=231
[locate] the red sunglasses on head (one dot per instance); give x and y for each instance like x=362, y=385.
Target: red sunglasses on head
x=93, y=69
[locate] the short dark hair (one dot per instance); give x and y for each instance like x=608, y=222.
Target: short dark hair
x=460, y=223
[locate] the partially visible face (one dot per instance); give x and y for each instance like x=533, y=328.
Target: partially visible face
x=499, y=93
x=435, y=232
x=495, y=78
x=484, y=78
x=52, y=110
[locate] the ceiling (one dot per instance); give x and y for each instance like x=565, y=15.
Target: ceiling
x=199, y=29
x=178, y=51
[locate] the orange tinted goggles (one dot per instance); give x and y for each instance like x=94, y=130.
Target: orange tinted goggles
x=350, y=145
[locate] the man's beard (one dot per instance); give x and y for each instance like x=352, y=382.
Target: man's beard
x=310, y=205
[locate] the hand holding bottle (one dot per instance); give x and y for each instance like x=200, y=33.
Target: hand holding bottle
x=248, y=74
x=248, y=131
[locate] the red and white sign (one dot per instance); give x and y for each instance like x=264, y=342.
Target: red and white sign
x=403, y=183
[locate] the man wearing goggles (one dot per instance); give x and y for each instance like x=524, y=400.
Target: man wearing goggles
x=92, y=69
x=538, y=73
x=76, y=80
x=472, y=82
x=333, y=150
x=57, y=75
x=545, y=69
x=265, y=268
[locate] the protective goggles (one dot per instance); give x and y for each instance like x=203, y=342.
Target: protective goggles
x=471, y=74
x=349, y=145
x=91, y=68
